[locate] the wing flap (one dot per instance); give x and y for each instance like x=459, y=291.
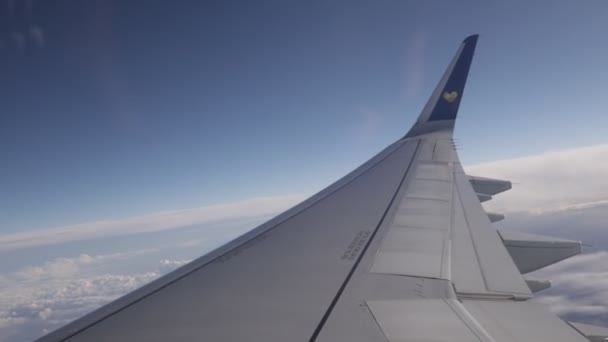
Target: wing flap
x=423, y=320
x=495, y=264
x=593, y=333
x=438, y=229
x=520, y=321
x=451, y=320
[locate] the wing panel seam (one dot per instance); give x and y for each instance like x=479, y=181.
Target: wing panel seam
x=333, y=303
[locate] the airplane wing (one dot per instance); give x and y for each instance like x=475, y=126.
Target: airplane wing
x=400, y=249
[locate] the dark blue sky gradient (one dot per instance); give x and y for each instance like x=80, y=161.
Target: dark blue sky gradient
x=133, y=107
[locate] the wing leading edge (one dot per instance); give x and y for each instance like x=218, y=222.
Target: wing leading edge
x=398, y=250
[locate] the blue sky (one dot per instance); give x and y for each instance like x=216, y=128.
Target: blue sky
x=129, y=109
x=113, y=110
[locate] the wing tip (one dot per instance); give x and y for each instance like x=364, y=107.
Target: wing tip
x=442, y=107
x=471, y=39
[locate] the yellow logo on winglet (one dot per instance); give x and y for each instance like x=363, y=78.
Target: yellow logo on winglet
x=450, y=97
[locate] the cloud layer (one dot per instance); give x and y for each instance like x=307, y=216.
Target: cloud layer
x=579, y=288
x=562, y=193
x=550, y=181
x=37, y=299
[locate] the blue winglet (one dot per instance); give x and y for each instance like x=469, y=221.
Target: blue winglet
x=445, y=100
x=446, y=107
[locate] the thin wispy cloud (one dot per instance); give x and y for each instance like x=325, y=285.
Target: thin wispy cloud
x=260, y=207
x=368, y=125
x=550, y=181
x=414, y=64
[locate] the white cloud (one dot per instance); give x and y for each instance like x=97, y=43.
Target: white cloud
x=579, y=286
x=68, y=267
x=220, y=213
x=553, y=180
x=45, y=314
x=46, y=296
x=573, y=182
x=8, y=319
x=174, y=263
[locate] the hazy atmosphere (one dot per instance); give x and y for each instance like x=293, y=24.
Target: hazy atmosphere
x=138, y=136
